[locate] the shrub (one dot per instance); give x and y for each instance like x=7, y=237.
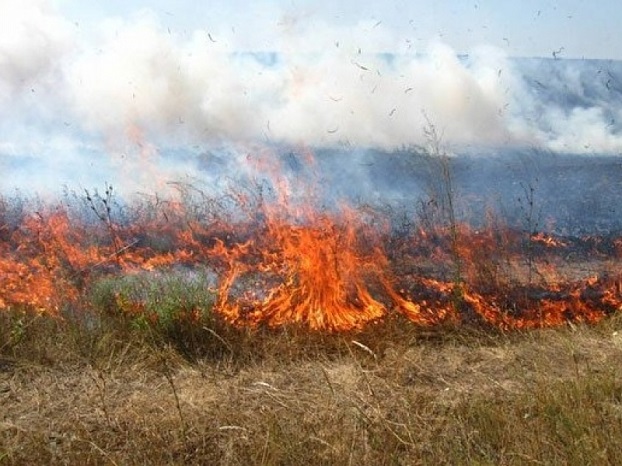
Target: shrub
x=175, y=306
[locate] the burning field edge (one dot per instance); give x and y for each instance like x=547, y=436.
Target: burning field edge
x=252, y=329
x=251, y=261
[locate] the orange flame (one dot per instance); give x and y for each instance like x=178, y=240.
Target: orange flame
x=295, y=265
x=318, y=272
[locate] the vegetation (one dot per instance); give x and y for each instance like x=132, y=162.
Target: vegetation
x=101, y=390
x=114, y=350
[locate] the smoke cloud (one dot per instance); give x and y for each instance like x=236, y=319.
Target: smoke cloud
x=82, y=106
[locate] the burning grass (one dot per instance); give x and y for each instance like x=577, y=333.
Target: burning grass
x=333, y=271
x=255, y=330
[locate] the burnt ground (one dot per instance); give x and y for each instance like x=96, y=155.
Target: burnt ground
x=566, y=194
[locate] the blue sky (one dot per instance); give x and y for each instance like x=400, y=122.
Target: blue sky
x=520, y=27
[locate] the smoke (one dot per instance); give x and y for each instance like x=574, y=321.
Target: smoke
x=32, y=39
x=107, y=102
x=200, y=91
x=570, y=106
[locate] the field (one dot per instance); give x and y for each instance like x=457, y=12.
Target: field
x=310, y=233
x=72, y=393
x=258, y=328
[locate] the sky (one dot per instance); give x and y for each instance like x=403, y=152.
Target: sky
x=101, y=91
x=520, y=28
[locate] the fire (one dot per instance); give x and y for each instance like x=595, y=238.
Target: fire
x=547, y=240
x=290, y=263
x=315, y=275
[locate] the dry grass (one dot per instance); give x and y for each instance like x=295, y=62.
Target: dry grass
x=108, y=394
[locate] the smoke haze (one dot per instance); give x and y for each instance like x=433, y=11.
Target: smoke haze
x=81, y=107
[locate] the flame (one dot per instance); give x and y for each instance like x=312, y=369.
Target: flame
x=319, y=275
x=547, y=240
x=288, y=263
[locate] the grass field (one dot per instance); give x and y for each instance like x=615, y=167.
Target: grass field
x=100, y=389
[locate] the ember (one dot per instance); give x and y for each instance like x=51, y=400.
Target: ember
x=547, y=240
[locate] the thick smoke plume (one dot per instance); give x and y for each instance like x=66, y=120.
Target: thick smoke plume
x=81, y=106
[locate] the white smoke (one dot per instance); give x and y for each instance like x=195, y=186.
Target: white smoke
x=32, y=40
x=132, y=87
x=201, y=90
